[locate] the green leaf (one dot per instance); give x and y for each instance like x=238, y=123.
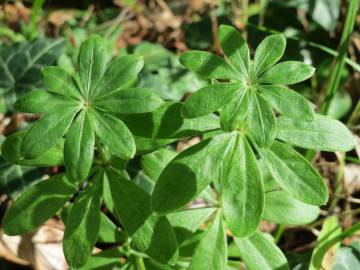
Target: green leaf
x=151, y=234
x=92, y=62
x=105, y=260
x=38, y=101
x=209, y=99
x=347, y=258
x=208, y=65
x=37, y=204
x=288, y=102
x=58, y=81
x=261, y=120
x=186, y=222
x=243, y=190
x=113, y=133
x=118, y=75
x=288, y=72
x=268, y=53
x=16, y=179
x=331, y=229
x=282, y=208
x=166, y=125
x=234, y=113
x=83, y=223
x=189, y=173
x=109, y=232
x=153, y=163
x=260, y=252
x=211, y=253
x=295, y=174
x=235, y=48
x=132, y=100
x=323, y=133
x=44, y=133
x=79, y=147
x=11, y=152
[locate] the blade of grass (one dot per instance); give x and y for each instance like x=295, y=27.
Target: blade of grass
x=340, y=59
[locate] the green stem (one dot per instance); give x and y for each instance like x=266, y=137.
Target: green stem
x=340, y=59
x=36, y=9
x=353, y=160
x=140, y=263
x=278, y=233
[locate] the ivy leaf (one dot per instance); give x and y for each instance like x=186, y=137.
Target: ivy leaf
x=282, y=208
x=260, y=252
x=58, y=81
x=39, y=101
x=211, y=253
x=132, y=100
x=209, y=99
x=92, y=64
x=208, y=65
x=235, y=48
x=37, y=204
x=44, y=133
x=79, y=147
x=323, y=133
x=151, y=234
x=83, y=223
x=261, y=120
x=243, y=190
x=189, y=173
x=120, y=74
x=15, y=179
x=269, y=51
x=11, y=152
x=288, y=72
x=295, y=174
x=113, y=133
x=233, y=115
x=288, y=102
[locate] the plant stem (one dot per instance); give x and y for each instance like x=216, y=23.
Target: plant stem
x=340, y=59
x=278, y=233
x=140, y=263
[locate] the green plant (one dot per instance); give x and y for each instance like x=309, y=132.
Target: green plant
x=244, y=169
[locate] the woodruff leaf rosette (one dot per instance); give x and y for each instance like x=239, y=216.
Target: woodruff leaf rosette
x=83, y=108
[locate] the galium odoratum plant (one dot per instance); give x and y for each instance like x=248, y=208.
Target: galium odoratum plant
x=246, y=93
x=250, y=120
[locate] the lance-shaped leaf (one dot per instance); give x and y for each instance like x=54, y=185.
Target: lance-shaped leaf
x=38, y=101
x=235, y=48
x=288, y=72
x=83, y=223
x=37, y=204
x=211, y=252
x=282, y=208
x=44, y=133
x=132, y=100
x=11, y=152
x=119, y=74
x=186, y=222
x=323, y=133
x=151, y=234
x=261, y=120
x=92, y=62
x=295, y=174
x=234, y=113
x=113, y=133
x=165, y=125
x=288, y=102
x=189, y=173
x=60, y=82
x=209, y=99
x=209, y=65
x=268, y=53
x=79, y=147
x=260, y=252
x=243, y=190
